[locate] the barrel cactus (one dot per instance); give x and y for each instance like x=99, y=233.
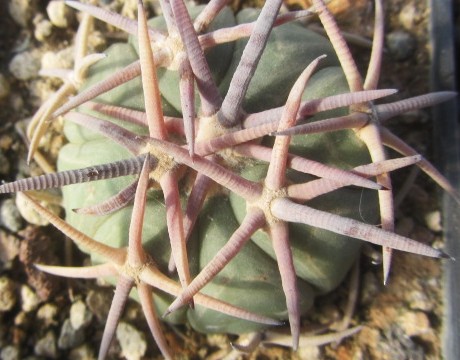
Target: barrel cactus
x=196, y=130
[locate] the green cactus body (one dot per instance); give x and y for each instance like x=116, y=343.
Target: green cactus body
x=251, y=280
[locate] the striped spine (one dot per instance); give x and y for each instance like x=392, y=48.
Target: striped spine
x=92, y=173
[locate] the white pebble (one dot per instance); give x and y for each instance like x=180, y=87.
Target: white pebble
x=62, y=59
x=25, y=66
x=418, y=300
x=80, y=316
x=43, y=30
x=83, y=352
x=414, y=323
x=9, y=352
x=29, y=299
x=10, y=216
x=433, y=221
x=310, y=352
x=30, y=215
x=46, y=346
x=59, y=14
x=22, y=10
x=132, y=341
x=47, y=314
x=7, y=294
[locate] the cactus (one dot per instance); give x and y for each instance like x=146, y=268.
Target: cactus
x=271, y=221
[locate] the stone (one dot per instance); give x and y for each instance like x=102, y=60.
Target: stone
x=83, y=352
x=9, y=352
x=29, y=299
x=433, y=221
x=401, y=44
x=69, y=337
x=22, y=10
x=99, y=303
x=8, y=296
x=62, y=59
x=418, y=300
x=30, y=215
x=43, y=29
x=25, y=65
x=132, y=341
x=9, y=248
x=309, y=352
x=80, y=316
x=47, y=314
x=10, y=216
x=46, y=346
x=59, y=14
x=414, y=323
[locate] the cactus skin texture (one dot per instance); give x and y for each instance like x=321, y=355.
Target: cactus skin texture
x=260, y=183
x=322, y=258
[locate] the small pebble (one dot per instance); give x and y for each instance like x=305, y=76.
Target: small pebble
x=414, y=323
x=62, y=59
x=69, y=337
x=46, y=346
x=10, y=216
x=310, y=353
x=30, y=215
x=433, y=221
x=9, y=247
x=22, y=10
x=99, y=303
x=401, y=44
x=80, y=316
x=408, y=16
x=43, y=30
x=59, y=14
x=83, y=352
x=26, y=65
x=419, y=301
x=29, y=299
x=9, y=352
x=4, y=87
x=132, y=341
x=7, y=294
x=47, y=314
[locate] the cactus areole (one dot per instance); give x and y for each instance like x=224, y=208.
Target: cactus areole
x=251, y=280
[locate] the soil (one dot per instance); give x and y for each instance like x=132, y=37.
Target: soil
x=402, y=320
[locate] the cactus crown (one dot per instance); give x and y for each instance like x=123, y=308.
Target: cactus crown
x=195, y=130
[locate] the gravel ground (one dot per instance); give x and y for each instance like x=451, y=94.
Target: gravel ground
x=45, y=317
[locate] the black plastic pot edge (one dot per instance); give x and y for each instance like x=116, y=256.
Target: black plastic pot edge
x=447, y=141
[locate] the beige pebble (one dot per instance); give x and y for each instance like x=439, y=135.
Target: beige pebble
x=43, y=30
x=22, y=10
x=62, y=59
x=309, y=352
x=418, y=300
x=414, y=323
x=47, y=314
x=30, y=215
x=25, y=66
x=7, y=294
x=433, y=221
x=80, y=316
x=132, y=341
x=59, y=14
x=29, y=299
